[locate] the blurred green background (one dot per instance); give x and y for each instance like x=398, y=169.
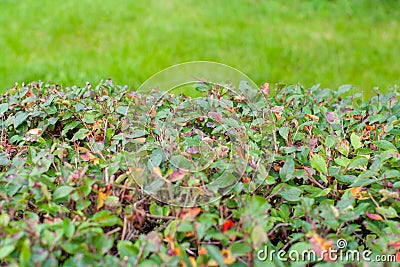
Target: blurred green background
x=329, y=42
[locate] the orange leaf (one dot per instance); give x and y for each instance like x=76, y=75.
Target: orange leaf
x=102, y=197
x=202, y=251
x=320, y=245
x=358, y=193
x=227, y=225
x=368, y=127
x=373, y=216
x=190, y=214
x=228, y=259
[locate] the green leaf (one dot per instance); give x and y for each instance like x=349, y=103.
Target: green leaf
x=122, y=110
x=330, y=141
x=388, y=212
x=79, y=135
x=240, y=249
x=127, y=248
x=62, y=191
x=20, y=118
x=215, y=254
x=6, y=250
x=156, y=158
x=89, y=119
x=79, y=107
x=105, y=218
x=319, y=163
x=25, y=252
x=4, y=161
x=291, y=193
x=70, y=126
x=385, y=145
x=69, y=227
x=355, y=141
x=258, y=236
x=358, y=163
x=3, y=108
x=286, y=172
x=344, y=147
x=284, y=132
x=155, y=209
x=344, y=89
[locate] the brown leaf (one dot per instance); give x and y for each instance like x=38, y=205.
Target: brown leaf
x=33, y=134
x=86, y=155
x=190, y=214
x=177, y=175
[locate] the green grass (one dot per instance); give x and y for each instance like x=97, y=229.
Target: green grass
x=327, y=42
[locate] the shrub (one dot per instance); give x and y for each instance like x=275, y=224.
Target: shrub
x=69, y=196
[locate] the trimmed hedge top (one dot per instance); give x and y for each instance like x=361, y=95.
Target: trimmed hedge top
x=68, y=195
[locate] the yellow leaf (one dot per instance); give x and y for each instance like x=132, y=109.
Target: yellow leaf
x=102, y=197
x=228, y=259
x=313, y=117
x=358, y=193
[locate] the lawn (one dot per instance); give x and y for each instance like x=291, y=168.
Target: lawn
x=327, y=42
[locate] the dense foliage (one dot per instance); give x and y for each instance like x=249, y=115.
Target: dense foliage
x=69, y=196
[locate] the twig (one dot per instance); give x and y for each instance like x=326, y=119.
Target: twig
x=140, y=254
x=276, y=227
x=276, y=193
x=124, y=228
x=113, y=231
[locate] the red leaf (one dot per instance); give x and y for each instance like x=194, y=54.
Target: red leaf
x=227, y=225
x=395, y=244
x=373, y=216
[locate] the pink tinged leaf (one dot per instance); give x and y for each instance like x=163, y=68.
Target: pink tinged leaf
x=373, y=216
x=177, y=175
x=192, y=150
x=332, y=117
x=265, y=89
